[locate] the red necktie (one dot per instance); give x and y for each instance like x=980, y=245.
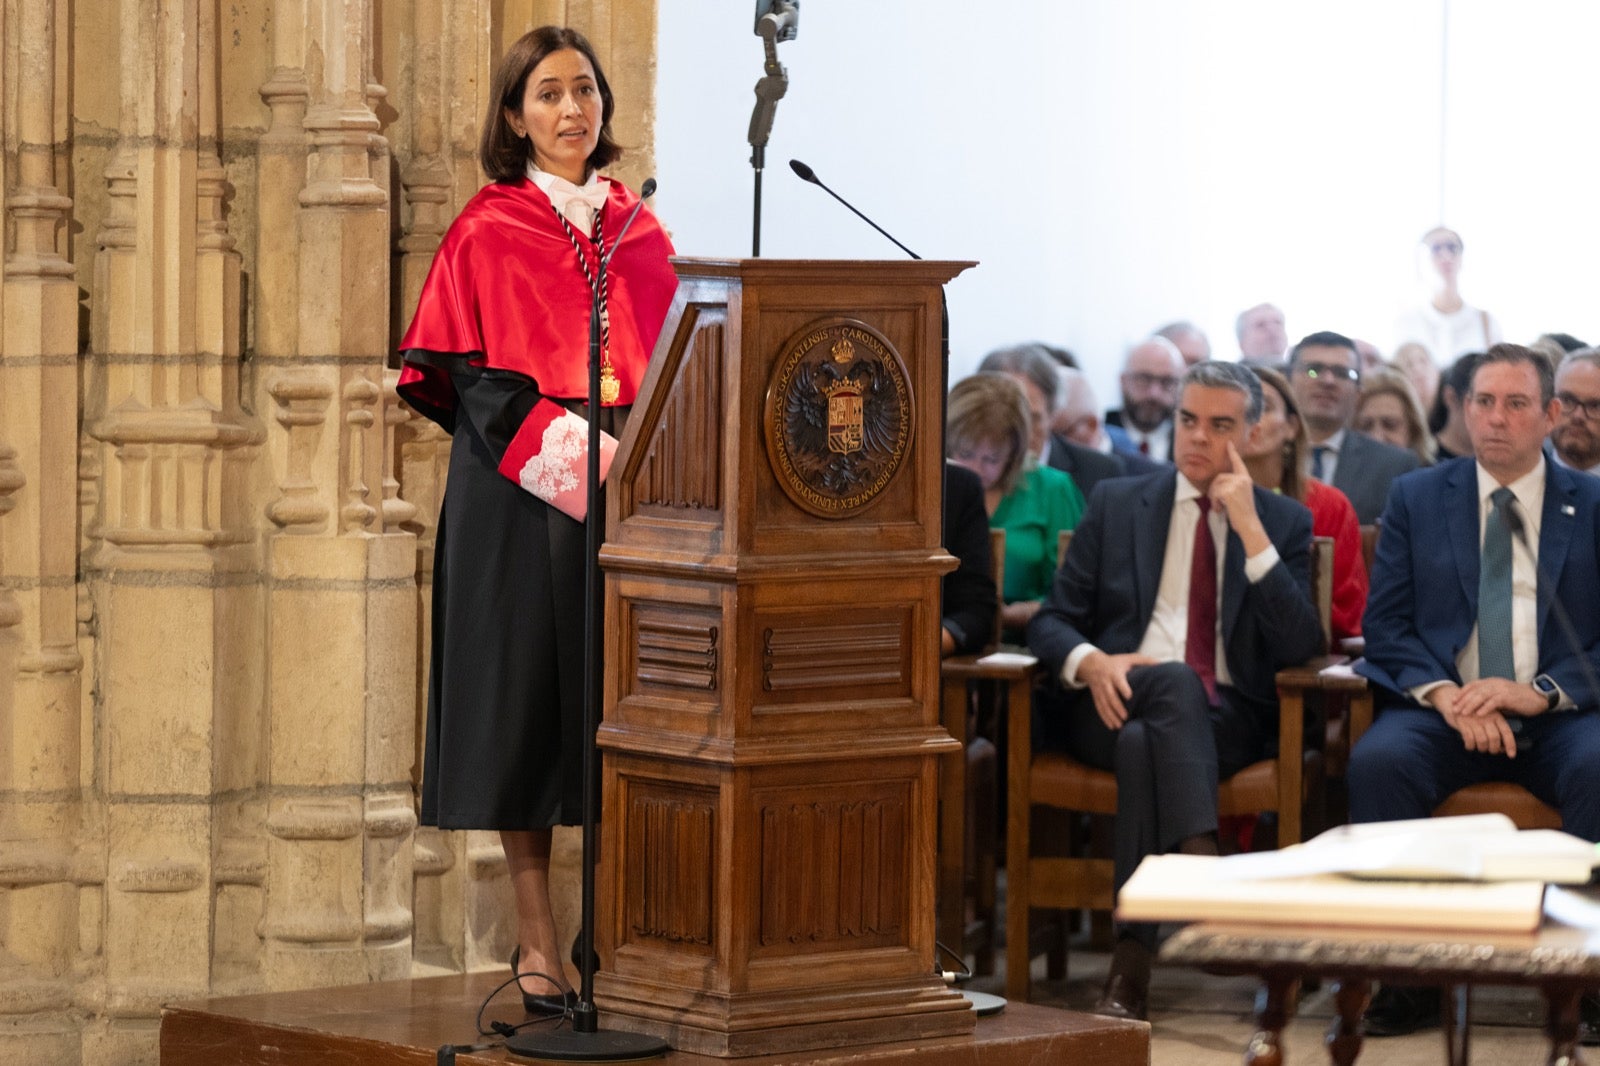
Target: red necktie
x=1200, y=647
x=1144, y=447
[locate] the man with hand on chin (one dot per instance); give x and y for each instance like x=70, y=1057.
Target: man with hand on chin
x=1479, y=560
x=1182, y=595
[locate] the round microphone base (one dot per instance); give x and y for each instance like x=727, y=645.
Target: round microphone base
x=565, y=1045
x=984, y=1003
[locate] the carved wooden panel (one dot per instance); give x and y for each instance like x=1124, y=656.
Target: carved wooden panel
x=809, y=655
x=669, y=854
x=833, y=869
x=682, y=467
x=681, y=652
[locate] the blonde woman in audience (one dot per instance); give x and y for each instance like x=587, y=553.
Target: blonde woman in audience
x=1416, y=363
x=988, y=430
x=1388, y=410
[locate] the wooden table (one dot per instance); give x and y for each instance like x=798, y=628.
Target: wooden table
x=1561, y=961
x=1015, y=676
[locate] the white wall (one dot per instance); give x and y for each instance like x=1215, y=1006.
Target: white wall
x=1114, y=164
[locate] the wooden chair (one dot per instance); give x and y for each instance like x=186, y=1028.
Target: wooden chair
x=1490, y=797
x=1054, y=779
x=968, y=855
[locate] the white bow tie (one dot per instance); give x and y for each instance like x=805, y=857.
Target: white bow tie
x=578, y=203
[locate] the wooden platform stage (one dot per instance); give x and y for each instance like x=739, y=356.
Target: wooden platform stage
x=403, y=1023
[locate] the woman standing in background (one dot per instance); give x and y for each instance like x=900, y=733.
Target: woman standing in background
x=1445, y=323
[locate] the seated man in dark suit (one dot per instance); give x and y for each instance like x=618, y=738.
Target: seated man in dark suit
x=1182, y=595
x=1325, y=374
x=1480, y=565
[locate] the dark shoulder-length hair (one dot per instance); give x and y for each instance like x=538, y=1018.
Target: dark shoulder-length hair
x=505, y=155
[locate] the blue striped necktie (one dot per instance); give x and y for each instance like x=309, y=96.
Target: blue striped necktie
x=1316, y=461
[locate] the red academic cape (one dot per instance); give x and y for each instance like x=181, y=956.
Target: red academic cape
x=505, y=292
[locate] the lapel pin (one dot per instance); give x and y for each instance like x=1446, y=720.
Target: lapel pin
x=1568, y=509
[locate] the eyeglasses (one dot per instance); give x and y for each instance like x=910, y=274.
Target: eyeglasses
x=1445, y=247
x=1153, y=381
x=1570, y=403
x=1331, y=371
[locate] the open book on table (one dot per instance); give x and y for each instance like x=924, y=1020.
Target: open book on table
x=1475, y=847
x=1474, y=872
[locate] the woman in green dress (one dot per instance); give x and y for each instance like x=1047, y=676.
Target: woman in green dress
x=989, y=430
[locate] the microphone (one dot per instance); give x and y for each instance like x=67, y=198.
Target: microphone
x=647, y=190
x=805, y=173
x=779, y=22
x=1569, y=632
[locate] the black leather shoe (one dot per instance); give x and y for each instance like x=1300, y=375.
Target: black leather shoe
x=1123, y=997
x=545, y=1002
x=1396, y=1011
x=1589, y=1020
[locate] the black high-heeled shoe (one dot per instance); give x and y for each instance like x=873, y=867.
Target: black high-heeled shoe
x=543, y=1002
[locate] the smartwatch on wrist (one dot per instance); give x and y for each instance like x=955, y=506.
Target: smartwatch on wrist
x=1545, y=686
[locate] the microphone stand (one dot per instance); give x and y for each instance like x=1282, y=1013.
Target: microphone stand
x=585, y=1042
x=778, y=22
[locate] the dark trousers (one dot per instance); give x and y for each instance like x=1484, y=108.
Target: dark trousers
x=1410, y=761
x=1168, y=758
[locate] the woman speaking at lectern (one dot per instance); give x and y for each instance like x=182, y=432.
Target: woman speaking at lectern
x=498, y=354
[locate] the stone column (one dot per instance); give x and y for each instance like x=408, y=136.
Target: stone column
x=340, y=571
x=41, y=946
x=171, y=566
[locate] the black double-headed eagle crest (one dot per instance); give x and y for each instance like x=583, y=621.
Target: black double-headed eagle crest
x=839, y=418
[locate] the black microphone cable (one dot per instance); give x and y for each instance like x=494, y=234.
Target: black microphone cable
x=1569, y=632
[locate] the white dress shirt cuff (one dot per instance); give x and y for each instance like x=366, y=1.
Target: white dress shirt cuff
x=1256, y=567
x=1420, y=692
x=1069, y=669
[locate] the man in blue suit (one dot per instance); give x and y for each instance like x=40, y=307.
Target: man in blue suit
x=1481, y=566
x=1183, y=593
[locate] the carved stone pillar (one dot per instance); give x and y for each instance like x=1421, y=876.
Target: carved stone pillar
x=172, y=568
x=340, y=571
x=40, y=785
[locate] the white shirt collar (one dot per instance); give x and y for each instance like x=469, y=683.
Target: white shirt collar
x=1528, y=489
x=1334, y=442
x=577, y=203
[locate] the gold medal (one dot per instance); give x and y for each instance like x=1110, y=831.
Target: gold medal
x=610, y=387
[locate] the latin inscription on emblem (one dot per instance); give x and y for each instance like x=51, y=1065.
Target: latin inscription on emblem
x=838, y=418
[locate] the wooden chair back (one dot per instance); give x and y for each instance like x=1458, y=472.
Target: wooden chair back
x=1369, y=543
x=1322, y=586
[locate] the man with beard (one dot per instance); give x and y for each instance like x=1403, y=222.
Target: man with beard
x=1576, y=436
x=1325, y=374
x=1149, y=393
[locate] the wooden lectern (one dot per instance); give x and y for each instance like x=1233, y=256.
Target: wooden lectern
x=771, y=730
